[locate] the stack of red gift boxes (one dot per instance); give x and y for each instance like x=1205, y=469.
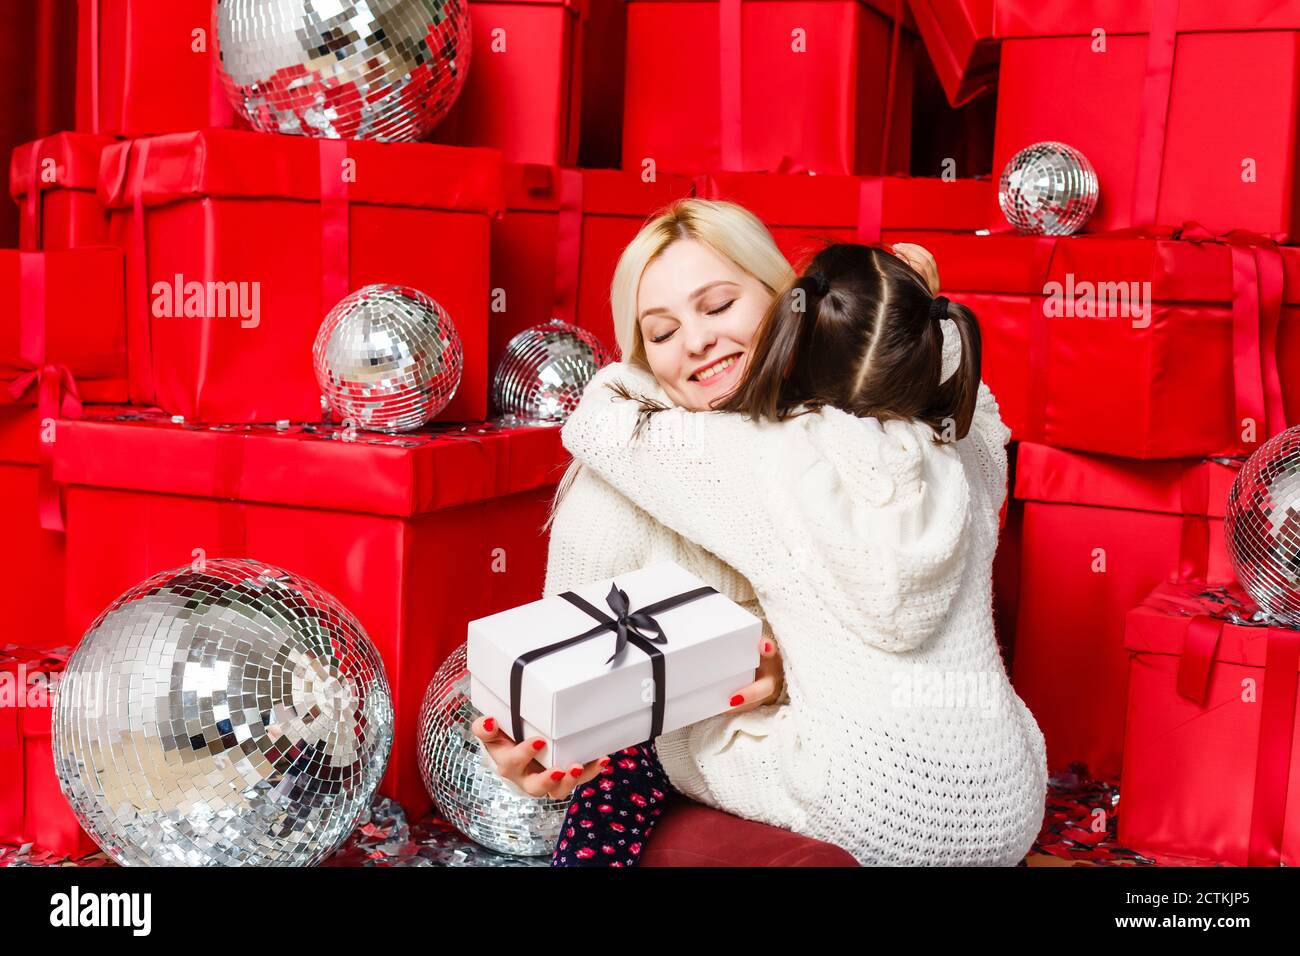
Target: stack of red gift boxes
x=157, y=401
x=1135, y=363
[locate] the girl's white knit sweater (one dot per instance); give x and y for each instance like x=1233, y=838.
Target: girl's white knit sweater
x=869, y=548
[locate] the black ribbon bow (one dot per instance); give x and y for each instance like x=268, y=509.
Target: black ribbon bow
x=627, y=627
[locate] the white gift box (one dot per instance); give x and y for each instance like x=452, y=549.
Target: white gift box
x=585, y=708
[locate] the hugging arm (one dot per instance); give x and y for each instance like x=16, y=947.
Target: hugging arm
x=827, y=505
x=681, y=467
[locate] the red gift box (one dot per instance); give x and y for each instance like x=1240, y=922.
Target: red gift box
x=294, y=225
x=53, y=182
x=1211, y=758
x=416, y=535
x=554, y=252
x=525, y=91
x=32, y=806
x=63, y=330
x=963, y=37
x=1138, y=110
x=148, y=66
x=1097, y=534
x=1213, y=369
x=805, y=212
x=31, y=563
x=704, y=76
x=960, y=37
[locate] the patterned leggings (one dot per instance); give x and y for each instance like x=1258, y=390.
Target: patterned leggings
x=610, y=817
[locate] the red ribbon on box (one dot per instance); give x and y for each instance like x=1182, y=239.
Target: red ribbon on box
x=335, y=252
x=540, y=178
x=140, y=334
x=1257, y=280
x=568, y=246
x=57, y=394
x=1276, y=723
x=32, y=204
x=1155, y=109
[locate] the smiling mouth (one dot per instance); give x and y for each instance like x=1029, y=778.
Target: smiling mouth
x=716, y=370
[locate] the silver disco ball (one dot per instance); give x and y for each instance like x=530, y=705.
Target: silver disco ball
x=234, y=715
x=386, y=70
x=544, y=370
x=462, y=779
x=1262, y=527
x=1048, y=189
x=387, y=358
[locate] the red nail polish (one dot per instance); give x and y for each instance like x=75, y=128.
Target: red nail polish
x=490, y=724
x=557, y=774
x=604, y=761
x=737, y=699
x=767, y=648
x=576, y=772
x=539, y=744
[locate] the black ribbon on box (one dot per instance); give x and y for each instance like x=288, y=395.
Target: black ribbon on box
x=625, y=627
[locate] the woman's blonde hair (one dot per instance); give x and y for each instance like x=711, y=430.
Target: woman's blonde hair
x=728, y=229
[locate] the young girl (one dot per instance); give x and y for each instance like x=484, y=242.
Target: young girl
x=858, y=491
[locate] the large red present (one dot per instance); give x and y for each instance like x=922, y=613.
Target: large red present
x=529, y=67
x=1097, y=534
x=148, y=66
x=805, y=212
x=1077, y=362
x=287, y=226
x=961, y=39
x=1137, y=103
x=554, y=252
x=62, y=328
x=416, y=534
x=53, y=182
x=32, y=807
x=781, y=85
x=31, y=563
x=1211, y=757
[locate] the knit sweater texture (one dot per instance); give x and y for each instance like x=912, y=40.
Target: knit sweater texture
x=867, y=547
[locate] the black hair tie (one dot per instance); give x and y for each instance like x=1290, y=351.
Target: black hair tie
x=938, y=308
x=821, y=284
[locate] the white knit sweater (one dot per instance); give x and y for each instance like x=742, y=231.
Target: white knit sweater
x=870, y=550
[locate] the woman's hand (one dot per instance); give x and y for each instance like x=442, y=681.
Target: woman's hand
x=768, y=683
x=920, y=259
x=515, y=763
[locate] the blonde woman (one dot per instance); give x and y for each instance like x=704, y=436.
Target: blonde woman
x=689, y=295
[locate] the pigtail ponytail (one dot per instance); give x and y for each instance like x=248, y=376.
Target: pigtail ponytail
x=954, y=399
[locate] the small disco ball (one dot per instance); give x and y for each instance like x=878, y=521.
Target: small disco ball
x=1048, y=189
x=463, y=781
x=1262, y=527
x=386, y=70
x=544, y=370
x=387, y=358
x=233, y=715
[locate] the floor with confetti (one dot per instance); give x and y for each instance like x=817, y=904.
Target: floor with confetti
x=1078, y=830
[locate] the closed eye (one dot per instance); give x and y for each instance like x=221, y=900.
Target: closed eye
x=718, y=311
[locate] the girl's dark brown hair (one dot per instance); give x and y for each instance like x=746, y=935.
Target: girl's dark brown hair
x=856, y=331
